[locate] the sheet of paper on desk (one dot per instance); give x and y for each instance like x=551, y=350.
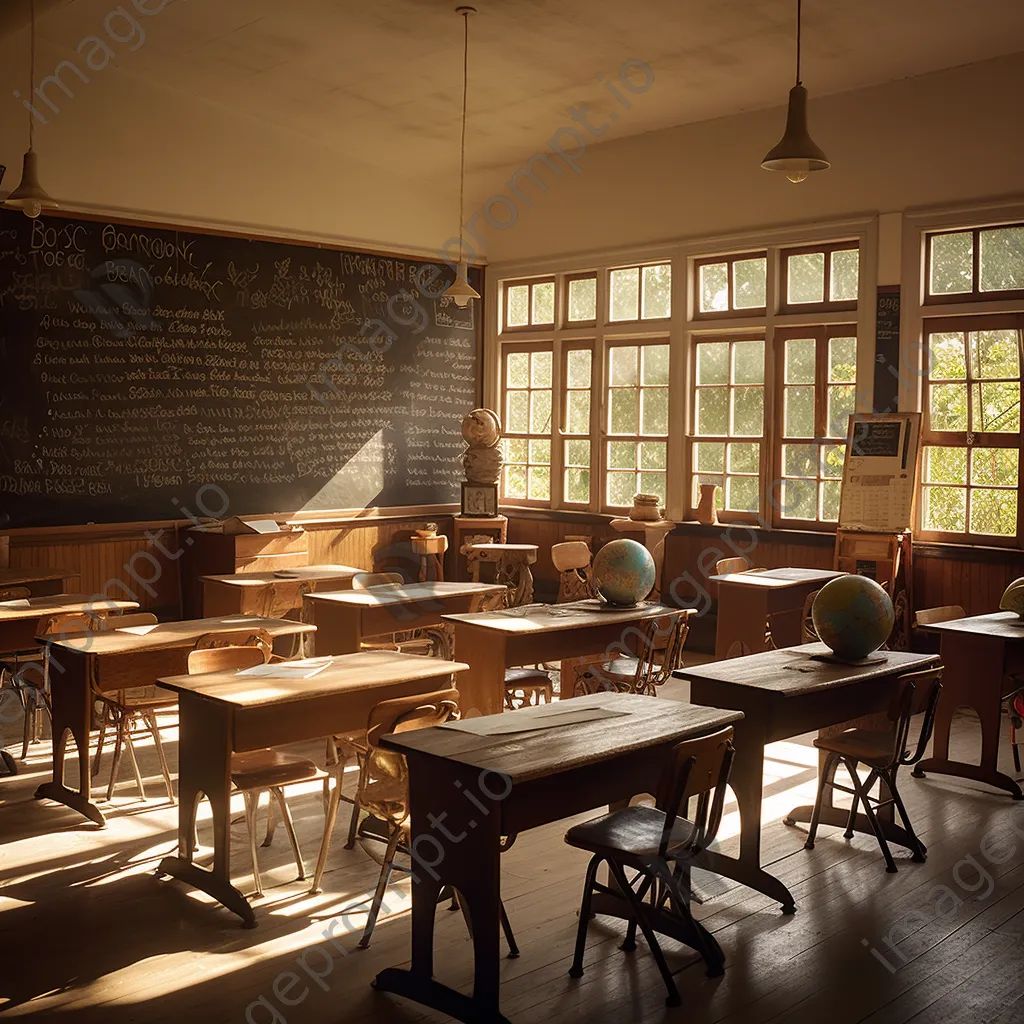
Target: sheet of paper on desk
x=17, y=602
x=304, y=668
x=514, y=722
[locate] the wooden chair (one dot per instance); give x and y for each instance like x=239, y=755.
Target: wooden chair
x=257, y=771
x=573, y=560
x=255, y=637
x=883, y=752
x=644, y=673
x=366, y=580
x=726, y=566
x=658, y=843
x=410, y=641
x=928, y=616
x=431, y=552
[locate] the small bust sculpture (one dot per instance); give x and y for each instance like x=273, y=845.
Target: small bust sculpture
x=482, y=459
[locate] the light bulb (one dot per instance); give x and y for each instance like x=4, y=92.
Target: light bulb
x=32, y=208
x=797, y=176
x=462, y=301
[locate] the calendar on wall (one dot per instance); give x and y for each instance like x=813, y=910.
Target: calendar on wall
x=880, y=472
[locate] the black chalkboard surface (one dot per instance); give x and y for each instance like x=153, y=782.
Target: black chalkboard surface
x=149, y=370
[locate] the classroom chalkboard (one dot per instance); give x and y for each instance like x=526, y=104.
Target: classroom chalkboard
x=155, y=373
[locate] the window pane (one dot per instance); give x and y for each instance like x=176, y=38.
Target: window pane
x=577, y=367
x=844, y=274
x=713, y=411
x=744, y=458
x=800, y=460
x=945, y=508
x=621, y=488
x=577, y=485
x=657, y=297
x=517, y=449
x=832, y=458
x=652, y=454
x=831, y=493
x=800, y=499
x=994, y=354
x=1001, y=261
x=709, y=458
x=842, y=360
x=544, y=303
x=539, y=488
x=747, y=412
x=946, y=359
x=517, y=370
x=577, y=453
x=540, y=412
x=515, y=481
x=653, y=483
x=518, y=306
x=540, y=369
x=800, y=360
x=655, y=364
x=622, y=412
x=577, y=412
x=748, y=362
x=622, y=364
x=654, y=411
x=994, y=512
x=622, y=454
x=517, y=412
x=807, y=278
x=625, y=293
x=714, y=287
x=951, y=270
x=994, y=466
x=582, y=299
x=798, y=417
x=945, y=465
x=947, y=407
x=713, y=362
x=842, y=401
x=996, y=407
x=748, y=283
x=540, y=452
x=741, y=493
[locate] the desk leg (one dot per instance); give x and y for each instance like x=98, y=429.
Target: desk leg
x=482, y=687
x=972, y=677
x=71, y=712
x=204, y=767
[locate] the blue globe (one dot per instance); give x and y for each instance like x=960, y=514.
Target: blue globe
x=624, y=572
x=853, y=615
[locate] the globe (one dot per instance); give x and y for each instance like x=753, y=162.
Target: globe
x=623, y=572
x=853, y=615
x=1013, y=598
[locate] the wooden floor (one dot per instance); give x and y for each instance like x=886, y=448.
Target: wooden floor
x=89, y=933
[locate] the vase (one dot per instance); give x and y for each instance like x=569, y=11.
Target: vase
x=706, y=510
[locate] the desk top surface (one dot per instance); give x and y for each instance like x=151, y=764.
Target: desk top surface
x=1004, y=625
x=34, y=574
x=36, y=607
x=796, y=671
x=550, y=618
x=346, y=672
x=779, y=578
x=638, y=722
x=404, y=593
x=300, y=574
x=176, y=634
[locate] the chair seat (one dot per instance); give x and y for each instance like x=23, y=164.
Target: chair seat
x=632, y=831
x=865, y=745
x=264, y=769
x=620, y=668
x=517, y=678
x=386, y=798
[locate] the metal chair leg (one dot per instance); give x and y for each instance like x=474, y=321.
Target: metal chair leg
x=99, y=741
x=115, y=762
x=325, y=843
x=154, y=731
x=510, y=938
x=290, y=827
x=131, y=754
x=252, y=801
x=382, y=884
x=827, y=778
x=576, y=970
x=869, y=811
x=268, y=838
x=920, y=850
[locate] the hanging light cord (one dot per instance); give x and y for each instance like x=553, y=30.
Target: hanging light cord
x=798, y=21
x=32, y=71
x=462, y=147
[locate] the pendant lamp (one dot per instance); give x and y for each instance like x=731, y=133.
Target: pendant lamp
x=461, y=290
x=796, y=155
x=30, y=197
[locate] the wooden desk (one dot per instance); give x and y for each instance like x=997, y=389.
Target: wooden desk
x=979, y=653
x=784, y=694
x=274, y=594
x=485, y=787
x=40, y=582
x=493, y=641
x=747, y=600
x=222, y=713
x=345, y=618
x=19, y=620
x=116, y=660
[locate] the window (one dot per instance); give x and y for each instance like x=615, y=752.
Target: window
x=981, y=263
x=526, y=444
x=529, y=304
x=971, y=434
x=581, y=300
x=817, y=374
x=576, y=378
x=640, y=293
x=821, y=277
x=728, y=422
x=636, y=450
x=734, y=285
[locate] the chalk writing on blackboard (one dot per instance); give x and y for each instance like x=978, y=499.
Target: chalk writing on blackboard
x=873, y=440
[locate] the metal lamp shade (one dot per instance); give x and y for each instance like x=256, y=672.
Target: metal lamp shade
x=796, y=155
x=30, y=196
x=460, y=289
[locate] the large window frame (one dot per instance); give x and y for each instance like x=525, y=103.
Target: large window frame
x=514, y=441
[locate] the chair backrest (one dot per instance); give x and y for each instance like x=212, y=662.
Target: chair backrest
x=915, y=692
x=133, y=619
x=366, y=580
x=224, y=659
x=697, y=768
x=66, y=624
x=570, y=554
x=661, y=650
x=945, y=612
x=14, y=593
x=255, y=637
x=724, y=566
x=573, y=561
